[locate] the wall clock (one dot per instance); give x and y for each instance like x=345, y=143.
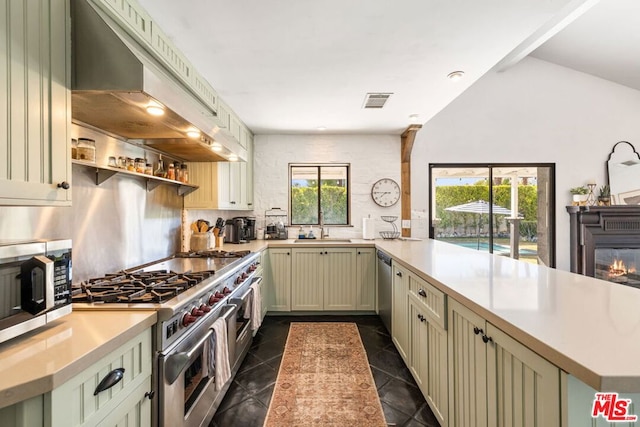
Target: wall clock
x=385, y=192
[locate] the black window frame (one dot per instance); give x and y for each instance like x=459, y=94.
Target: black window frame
x=319, y=166
x=490, y=167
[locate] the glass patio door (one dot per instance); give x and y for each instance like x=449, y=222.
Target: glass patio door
x=505, y=209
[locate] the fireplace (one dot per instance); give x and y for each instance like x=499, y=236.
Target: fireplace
x=605, y=242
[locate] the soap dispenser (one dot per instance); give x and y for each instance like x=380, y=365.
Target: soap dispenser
x=301, y=233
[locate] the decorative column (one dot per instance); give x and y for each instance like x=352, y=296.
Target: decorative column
x=407, y=138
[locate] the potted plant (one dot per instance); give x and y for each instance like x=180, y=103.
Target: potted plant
x=579, y=195
x=604, y=196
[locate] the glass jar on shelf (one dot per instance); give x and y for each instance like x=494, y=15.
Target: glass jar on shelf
x=86, y=149
x=148, y=169
x=131, y=165
x=160, y=172
x=184, y=174
x=140, y=165
x=171, y=172
x=74, y=148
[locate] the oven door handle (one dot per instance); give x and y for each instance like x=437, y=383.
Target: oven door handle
x=243, y=296
x=178, y=361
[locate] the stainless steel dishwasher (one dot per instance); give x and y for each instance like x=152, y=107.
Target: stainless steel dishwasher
x=384, y=289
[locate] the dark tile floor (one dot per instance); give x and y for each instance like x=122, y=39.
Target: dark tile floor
x=246, y=402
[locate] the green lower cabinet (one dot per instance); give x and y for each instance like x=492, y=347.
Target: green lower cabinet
x=496, y=381
x=428, y=359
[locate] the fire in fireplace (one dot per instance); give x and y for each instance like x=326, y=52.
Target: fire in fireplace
x=617, y=265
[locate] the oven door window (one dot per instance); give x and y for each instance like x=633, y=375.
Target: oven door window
x=195, y=380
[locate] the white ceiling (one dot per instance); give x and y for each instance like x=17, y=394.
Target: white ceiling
x=292, y=66
x=604, y=42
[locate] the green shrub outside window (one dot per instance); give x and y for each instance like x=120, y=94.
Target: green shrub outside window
x=319, y=188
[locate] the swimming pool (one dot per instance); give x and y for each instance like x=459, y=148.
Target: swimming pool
x=484, y=246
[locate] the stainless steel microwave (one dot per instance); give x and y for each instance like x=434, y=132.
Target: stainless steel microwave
x=35, y=285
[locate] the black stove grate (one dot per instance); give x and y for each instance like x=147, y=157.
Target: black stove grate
x=142, y=287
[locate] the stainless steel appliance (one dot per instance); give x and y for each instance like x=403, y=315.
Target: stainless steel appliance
x=111, y=90
x=384, y=289
x=240, y=230
x=35, y=285
x=190, y=291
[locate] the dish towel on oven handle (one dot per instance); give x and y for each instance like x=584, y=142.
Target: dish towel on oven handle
x=220, y=366
x=256, y=305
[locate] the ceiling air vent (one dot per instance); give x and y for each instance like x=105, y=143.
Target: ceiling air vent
x=376, y=100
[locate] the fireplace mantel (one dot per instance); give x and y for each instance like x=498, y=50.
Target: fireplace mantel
x=601, y=226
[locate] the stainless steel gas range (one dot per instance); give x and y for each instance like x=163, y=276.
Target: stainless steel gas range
x=190, y=292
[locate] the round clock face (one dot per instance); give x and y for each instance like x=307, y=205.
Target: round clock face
x=385, y=192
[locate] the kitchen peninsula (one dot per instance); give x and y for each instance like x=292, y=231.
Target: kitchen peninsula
x=586, y=329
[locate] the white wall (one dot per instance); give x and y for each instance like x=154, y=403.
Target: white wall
x=372, y=157
x=534, y=112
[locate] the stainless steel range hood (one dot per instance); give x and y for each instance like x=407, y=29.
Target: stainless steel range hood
x=114, y=79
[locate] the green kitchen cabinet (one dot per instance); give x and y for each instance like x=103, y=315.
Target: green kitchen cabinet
x=73, y=403
x=400, y=309
x=324, y=279
x=428, y=353
x=35, y=121
x=277, y=279
x=495, y=380
x=366, y=279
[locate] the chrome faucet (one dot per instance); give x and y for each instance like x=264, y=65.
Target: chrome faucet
x=323, y=232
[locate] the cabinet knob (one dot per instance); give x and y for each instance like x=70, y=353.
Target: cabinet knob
x=64, y=185
x=422, y=293
x=477, y=330
x=486, y=339
x=358, y=252
x=399, y=274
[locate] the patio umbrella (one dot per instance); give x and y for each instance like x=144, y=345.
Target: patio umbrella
x=479, y=207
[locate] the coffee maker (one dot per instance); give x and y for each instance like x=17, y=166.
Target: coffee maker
x=240, y=230
x=250, y=228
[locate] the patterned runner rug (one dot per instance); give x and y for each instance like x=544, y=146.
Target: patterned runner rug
x=324, y=380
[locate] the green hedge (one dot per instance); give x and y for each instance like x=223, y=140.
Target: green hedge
x=452, y=195
x=304, y=205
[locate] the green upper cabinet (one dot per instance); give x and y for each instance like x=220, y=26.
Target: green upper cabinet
x=35, y=117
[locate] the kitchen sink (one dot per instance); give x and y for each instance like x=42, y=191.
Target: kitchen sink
x=322, y=241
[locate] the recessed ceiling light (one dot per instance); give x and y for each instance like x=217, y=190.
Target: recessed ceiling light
x=413, y=118
x=155, y=110
x=321, y=128
x=216, y=147
x=193, y=133
x=454, y=76
x=233, y=158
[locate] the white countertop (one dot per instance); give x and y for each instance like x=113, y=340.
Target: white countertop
x=590, y=328
x=38, y=362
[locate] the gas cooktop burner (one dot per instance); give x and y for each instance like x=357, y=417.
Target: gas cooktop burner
x=149, y=286
x=212, y=254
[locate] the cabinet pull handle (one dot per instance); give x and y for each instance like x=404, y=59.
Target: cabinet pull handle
x=421, y=317
x=477, y=330
x=399, y=274
x=110, y=380
x=233, y=203
x=422, y=293
x=486, y=339
x=64, y=185
x=150, y=394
